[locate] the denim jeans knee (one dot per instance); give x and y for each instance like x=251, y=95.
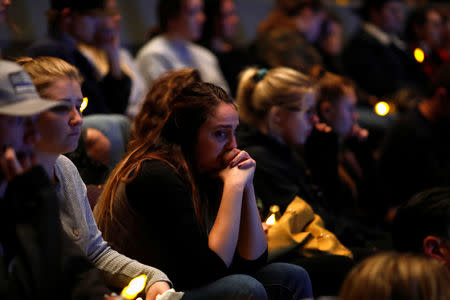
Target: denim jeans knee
x=232, y=287
x=285, y=281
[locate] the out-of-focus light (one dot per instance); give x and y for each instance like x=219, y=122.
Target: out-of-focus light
x=382, y=108
x=274, y=215
x=84, y=104
x=271, y=220
x=419, y=55
x=135, y=286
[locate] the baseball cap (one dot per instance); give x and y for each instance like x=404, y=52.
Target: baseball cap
x=18, y=95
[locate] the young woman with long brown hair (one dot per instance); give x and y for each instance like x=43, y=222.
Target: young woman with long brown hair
x=182, y=199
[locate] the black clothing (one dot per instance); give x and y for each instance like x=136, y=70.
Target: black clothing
x=346, y=172
x=108, y=95
x=38, y=261
x=232, y=63
x=280, y=165
x=414, y=156
x=281, y=174
x=381, y=69
x=155, y=223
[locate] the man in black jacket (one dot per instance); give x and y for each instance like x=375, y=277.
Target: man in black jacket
x=376, y=58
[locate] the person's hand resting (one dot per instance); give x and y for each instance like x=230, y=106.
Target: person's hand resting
x=156, y=289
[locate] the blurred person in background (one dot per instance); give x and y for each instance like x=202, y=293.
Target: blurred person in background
x=342, y=160
x=424, y=29
x=397, y=276
x=172, y=47
x=219, y=35
x=108, y=31
x=288, y=34
x=422, y=225
x=415, y=153
x=330, y=42
x=376, y=58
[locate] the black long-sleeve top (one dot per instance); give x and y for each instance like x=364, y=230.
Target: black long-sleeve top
x=161, y=229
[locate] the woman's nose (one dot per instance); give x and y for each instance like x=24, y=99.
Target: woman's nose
x=232, y=142
x=76, y=118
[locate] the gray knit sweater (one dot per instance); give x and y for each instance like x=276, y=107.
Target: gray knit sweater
x=79, y=224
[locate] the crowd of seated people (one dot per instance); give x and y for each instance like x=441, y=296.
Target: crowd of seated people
x=112, y=167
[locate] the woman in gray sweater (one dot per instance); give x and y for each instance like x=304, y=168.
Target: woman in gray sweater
x=60, y=130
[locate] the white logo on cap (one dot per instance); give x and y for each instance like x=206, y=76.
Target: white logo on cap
x=21, y=83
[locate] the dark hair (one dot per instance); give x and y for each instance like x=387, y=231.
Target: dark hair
x=166, y=129
x=294, y=7
x=167, y=10
x=441, y=78
x=325, y=27
x=418, y=17
x=212, y=11
x=426, y=213
x=281, y=15
x=374, y=4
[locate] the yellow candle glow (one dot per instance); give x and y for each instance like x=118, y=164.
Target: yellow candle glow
x=135, y=286
x=419, y=55
x=382, y=108
x=84, y=104
x=271, y=220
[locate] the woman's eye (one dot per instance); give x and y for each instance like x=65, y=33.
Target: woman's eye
x=61, y=109
x=220, y=134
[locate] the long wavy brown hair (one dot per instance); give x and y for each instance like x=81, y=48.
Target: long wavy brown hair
x=166, y=129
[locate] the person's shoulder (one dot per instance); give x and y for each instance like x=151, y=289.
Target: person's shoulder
x=45, y=46
x=158, y=175
x=156, y=45
x=64, y=163
x=202, y=51
x=158, y=170
x=157, y=165
x=66, y=171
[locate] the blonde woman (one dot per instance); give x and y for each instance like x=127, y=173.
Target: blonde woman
x=398, y=276
x=277, y=109
x=60, y=130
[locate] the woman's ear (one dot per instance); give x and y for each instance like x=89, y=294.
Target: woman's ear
x=274, y=115
x=274, y=118
x=435, y=247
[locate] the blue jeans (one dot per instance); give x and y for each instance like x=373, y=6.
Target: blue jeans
x=116, y=128
x=274, y=281
x=285, y=281
x=232, y=287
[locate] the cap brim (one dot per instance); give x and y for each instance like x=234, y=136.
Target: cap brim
x=29, y=107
